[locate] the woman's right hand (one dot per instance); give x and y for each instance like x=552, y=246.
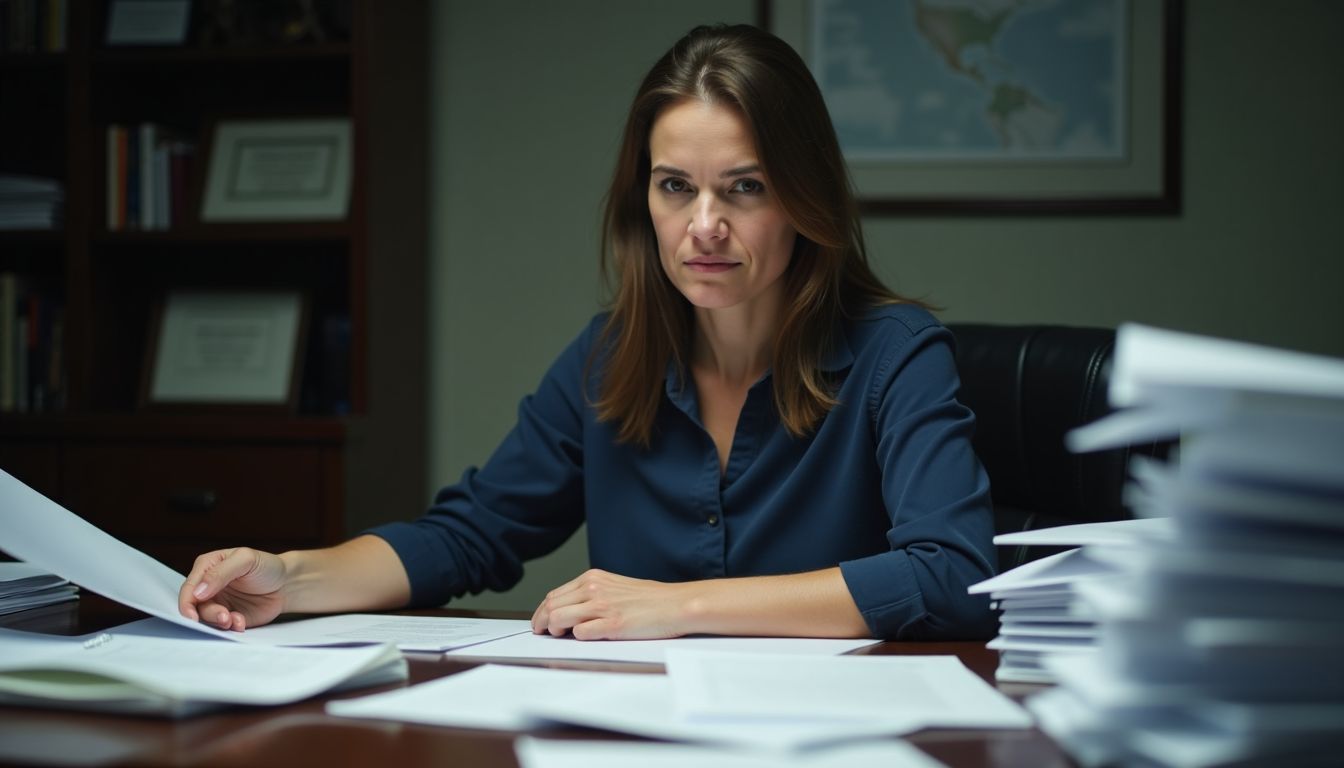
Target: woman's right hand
x=234, y=588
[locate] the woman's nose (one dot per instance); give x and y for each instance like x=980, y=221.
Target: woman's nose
x=706, y=220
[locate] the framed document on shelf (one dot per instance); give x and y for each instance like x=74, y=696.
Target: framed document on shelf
x=278, y=170
x=228, y=349
x=148, y=22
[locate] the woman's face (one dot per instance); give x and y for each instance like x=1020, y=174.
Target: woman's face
x=722, y=237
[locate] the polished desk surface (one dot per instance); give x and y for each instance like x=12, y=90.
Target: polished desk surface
x=303, y=734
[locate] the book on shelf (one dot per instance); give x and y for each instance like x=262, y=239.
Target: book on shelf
x=32, y=376
x=147, y=178
x=33, y=26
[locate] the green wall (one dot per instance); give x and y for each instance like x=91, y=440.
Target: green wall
x=528, y=100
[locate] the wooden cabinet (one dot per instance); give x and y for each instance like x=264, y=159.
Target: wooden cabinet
x=174, y=482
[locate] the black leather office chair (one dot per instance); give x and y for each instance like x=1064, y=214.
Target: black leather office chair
x=1029, y=385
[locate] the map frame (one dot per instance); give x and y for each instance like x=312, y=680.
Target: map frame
x=1146, y=180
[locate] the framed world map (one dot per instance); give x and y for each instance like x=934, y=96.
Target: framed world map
x=999, y=106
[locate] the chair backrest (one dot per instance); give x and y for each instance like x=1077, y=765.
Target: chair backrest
x=1029, y=385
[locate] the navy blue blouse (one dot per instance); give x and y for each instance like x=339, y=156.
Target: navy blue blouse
x=888, y=487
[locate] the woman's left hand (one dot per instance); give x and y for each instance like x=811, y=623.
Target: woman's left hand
x=604, y=606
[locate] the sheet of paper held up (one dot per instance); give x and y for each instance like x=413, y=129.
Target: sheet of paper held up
x=557, y=753
x=39, y=531
x=43, y=533
x=546, y=647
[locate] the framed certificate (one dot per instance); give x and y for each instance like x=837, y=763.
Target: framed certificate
x=148, y=22
x=278, y=170
x=226, y=349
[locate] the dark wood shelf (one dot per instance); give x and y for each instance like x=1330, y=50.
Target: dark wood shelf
x=36, y=236
x=18, y=62
x=239, y=232
x=174, y=426
x=222, y=54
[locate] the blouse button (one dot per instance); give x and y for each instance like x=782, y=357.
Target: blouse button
x=712, y=520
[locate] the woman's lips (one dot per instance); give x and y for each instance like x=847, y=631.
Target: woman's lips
x=710, y=265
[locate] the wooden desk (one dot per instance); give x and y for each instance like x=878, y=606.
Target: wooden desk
x=302, y=734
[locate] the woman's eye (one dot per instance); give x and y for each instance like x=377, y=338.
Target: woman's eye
x=674, y=185
x=748, y=186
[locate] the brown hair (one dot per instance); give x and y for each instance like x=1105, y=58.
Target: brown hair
x=828, y=276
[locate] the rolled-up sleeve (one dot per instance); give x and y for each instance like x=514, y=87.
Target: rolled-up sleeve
x=936, y=495
x=524, y=502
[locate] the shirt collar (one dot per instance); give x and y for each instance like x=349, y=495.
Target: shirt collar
x=836, y=358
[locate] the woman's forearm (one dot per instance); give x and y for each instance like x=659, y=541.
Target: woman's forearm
x=813, y=604
x=363, y=574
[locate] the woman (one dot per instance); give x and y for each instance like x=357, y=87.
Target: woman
x=762, y=439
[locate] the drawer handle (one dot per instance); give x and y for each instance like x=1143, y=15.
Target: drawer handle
x=192, y=501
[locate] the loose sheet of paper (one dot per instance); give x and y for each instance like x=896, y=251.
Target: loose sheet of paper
x=769, y=702
x=490, y=696
x=1064, y=568
x=511, y=698
x=1097, y=534
x=409, y=633
x=198, y=669
x=530, y=646
x=554, y=753
x=927, y=691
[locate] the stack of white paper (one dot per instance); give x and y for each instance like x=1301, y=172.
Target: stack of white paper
x=1041, y=612
x=1221, y=644
x=24, y=586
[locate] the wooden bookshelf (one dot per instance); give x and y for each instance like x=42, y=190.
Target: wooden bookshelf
x=274, y=480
